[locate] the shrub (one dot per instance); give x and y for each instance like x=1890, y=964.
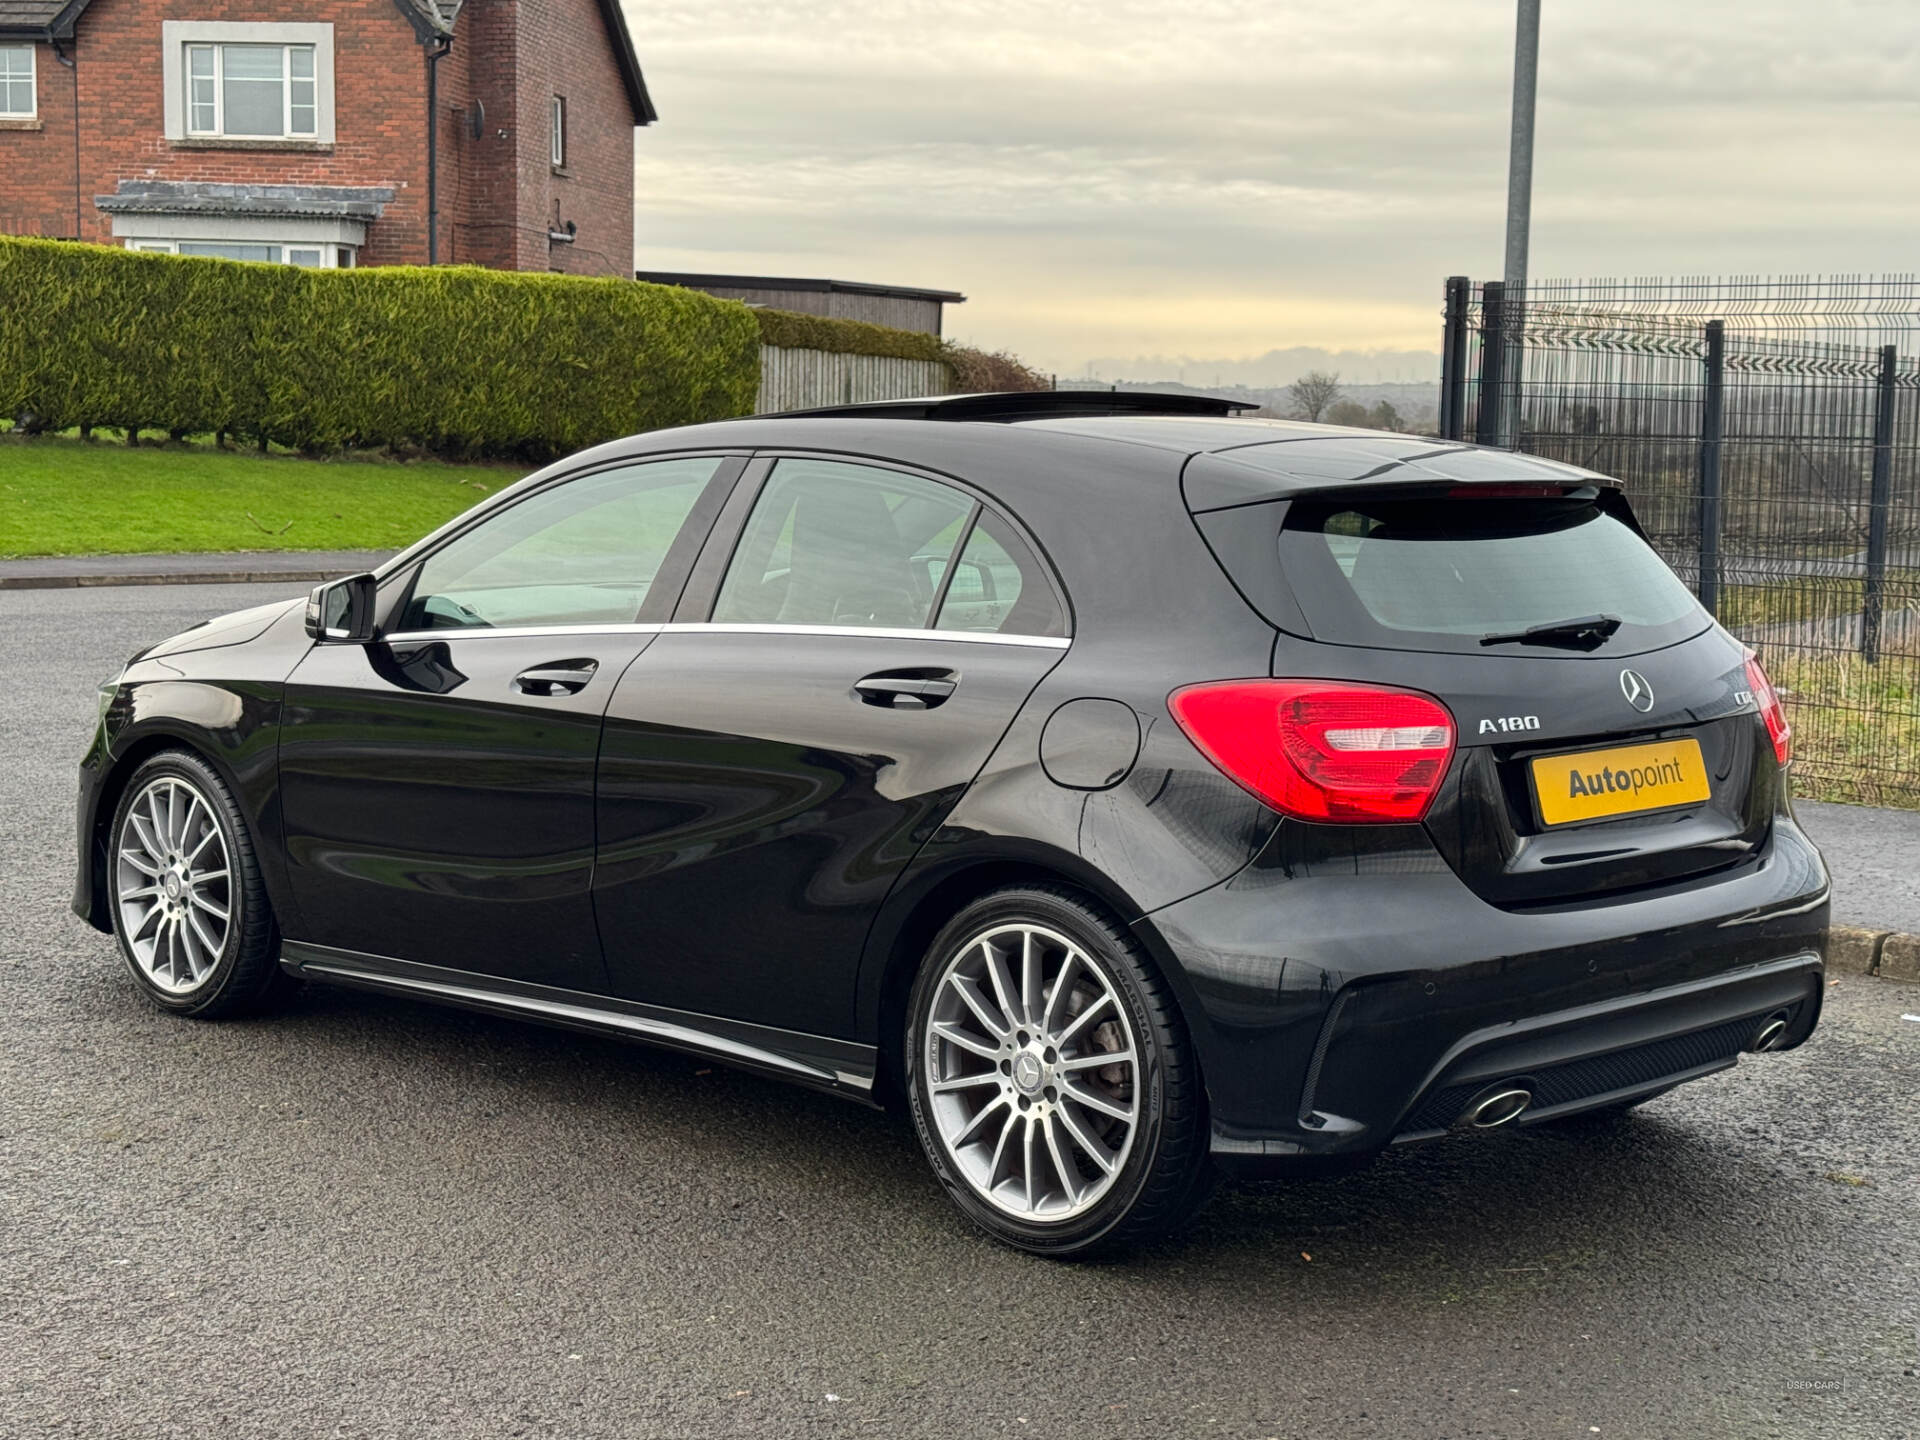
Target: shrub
x=457, y=359
x=977, y=370
x=791, y=330
x=969, y=369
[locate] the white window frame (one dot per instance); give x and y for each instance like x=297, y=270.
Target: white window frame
x=177, y=36
x=326, y=256
x=217, y=54
x=338, y=238
x=32, y=112
x=557, y=119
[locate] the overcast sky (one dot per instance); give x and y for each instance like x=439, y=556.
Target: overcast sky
x=1219, y=178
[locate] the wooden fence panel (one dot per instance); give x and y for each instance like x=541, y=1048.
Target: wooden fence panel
x=799, y=379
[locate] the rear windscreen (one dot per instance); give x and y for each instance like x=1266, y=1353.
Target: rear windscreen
x=1450, y=573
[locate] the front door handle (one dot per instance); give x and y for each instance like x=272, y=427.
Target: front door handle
x=559, y=677
x=907, y=689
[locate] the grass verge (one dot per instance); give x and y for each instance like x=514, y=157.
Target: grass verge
x=1856, y=727
x=60, y=495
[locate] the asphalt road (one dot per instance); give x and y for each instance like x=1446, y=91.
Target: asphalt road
x=371, y=1218
x=1874, y=856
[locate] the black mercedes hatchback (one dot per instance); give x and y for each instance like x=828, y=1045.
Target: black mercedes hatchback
x=1133, y=792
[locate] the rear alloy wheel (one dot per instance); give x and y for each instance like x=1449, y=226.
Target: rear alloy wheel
x=189, y=909
x=1051, y=1083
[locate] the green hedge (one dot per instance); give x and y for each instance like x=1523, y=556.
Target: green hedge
x=791, y=330
x=456, y=359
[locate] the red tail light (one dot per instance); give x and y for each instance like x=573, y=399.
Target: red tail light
x=1321, y=749
x=1771, y=710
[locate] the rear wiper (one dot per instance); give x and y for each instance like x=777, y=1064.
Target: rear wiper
x=1583, y=632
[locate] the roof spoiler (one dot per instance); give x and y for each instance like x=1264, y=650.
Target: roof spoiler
x=1031, y=405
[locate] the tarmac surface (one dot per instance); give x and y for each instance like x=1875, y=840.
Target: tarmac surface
x=277, y=567
x=367, y=1217
x=1874, y=856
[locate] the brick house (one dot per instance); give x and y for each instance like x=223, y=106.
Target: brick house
x=264, y=131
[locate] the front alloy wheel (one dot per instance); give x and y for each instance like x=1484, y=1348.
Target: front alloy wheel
x=173, y=884
x=1051, y=1080
x=189, y=908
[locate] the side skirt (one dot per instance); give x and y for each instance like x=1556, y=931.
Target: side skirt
x=837, y=1066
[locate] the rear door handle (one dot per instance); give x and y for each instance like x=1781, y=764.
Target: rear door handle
x=559, y=677
x=907, y=689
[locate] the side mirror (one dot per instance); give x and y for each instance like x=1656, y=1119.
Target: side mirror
x=340, y=612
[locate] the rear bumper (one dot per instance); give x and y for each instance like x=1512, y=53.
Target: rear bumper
x=1618, y=1050
x=1359, y=995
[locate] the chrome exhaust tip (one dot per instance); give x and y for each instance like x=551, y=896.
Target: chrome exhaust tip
x=1499, y=1107
x=1769, y=1033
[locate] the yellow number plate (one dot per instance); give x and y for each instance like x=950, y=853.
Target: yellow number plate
x=1625, y=781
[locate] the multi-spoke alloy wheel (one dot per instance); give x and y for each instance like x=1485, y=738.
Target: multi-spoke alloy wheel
x=189, y=908
x=1050, y=1076
x=1033, y=1071
x=173, y=882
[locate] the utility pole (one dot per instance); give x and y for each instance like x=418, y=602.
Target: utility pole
x=1526, y=73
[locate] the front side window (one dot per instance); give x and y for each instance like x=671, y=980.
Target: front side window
x=252, y=91
x=583, y=552
x=16, y=82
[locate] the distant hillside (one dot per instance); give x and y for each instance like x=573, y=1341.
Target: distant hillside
x=1275, y=368
x=1418, y=405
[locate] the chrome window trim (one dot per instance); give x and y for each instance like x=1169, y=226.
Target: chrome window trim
x=452, y=632
x=869, y=632
x=872, y=632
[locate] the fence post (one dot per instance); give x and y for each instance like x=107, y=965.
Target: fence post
x=1882, y=497
x=1453, y=359
x=1712, y=413
x=1493, y=349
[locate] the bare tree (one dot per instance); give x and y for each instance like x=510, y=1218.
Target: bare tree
x=1313, y=392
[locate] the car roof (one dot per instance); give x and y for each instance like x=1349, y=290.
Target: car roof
x=1222, y=458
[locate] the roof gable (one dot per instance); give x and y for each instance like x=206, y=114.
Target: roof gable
x=431, y=19
x=40, y=19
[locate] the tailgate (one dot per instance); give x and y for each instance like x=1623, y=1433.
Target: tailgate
x=1608, y=736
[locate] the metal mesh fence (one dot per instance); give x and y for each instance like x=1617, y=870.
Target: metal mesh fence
x=1768, y=435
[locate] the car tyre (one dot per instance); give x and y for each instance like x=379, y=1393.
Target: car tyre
x=190, y=912
x=1051, y=1080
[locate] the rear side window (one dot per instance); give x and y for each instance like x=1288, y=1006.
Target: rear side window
x=830, y=542
x=1445, y=574
x=998, y=586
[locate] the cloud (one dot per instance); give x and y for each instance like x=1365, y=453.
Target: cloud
x=1225, y=177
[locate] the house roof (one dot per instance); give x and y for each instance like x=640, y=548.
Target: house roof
x=200, y=197
x=39, y=19
x=790, y=282
x=55, y=19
